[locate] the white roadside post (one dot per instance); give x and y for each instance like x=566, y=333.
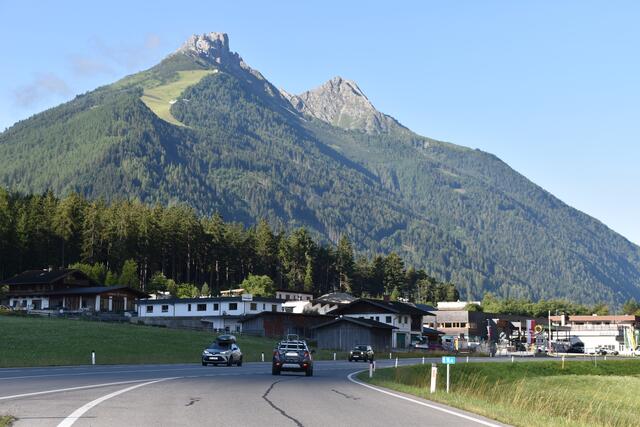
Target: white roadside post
x=262, y=357
x=423, y=360
x=93, y=357
x=334, y=356
x=434, y=377
x=563, y=361
x=396, y=362
x=467, y=359
x=389, y=356
x=371, y=369
x=513, y=359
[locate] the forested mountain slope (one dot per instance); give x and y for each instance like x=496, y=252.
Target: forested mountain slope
x=326, y=160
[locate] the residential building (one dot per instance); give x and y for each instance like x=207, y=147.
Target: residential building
x=69, y=290
x=289, y=295
x=221, y=313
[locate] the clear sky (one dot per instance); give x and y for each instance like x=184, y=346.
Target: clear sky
x=552, y=88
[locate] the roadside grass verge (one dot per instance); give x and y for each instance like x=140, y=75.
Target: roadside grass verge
x=530, y=393
x=6, y=420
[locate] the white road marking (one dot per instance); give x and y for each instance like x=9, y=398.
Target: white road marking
x=141, y=371
x=68, y=422
x=437, y=408
x=61, y=390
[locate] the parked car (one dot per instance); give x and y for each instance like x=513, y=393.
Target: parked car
x=294, y=356
x=361, y=352
x=223, y=351
x=602, y=351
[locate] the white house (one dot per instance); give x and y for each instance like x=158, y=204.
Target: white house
x=223, y=313
x=289, y=295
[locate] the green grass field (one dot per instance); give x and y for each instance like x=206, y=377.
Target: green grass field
x=30, y=341
x=531, y=393
x=159, y=98
x=6, y=420
x=35, y=341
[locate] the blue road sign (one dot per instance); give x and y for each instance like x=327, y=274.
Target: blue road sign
x=449, y=360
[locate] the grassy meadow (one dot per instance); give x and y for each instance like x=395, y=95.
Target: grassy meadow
x=531, y=393
x=159, y=98
x=36, y=341
x=32, y=341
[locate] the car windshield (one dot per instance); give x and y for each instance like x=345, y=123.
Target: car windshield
x=361, y=347
x=219, y=346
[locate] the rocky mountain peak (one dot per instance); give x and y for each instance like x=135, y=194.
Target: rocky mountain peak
x=211, y=46
x=341, y=102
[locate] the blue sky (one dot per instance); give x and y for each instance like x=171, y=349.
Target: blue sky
x=552, y=88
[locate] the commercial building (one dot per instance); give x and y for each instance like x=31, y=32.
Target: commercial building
x=611, y=332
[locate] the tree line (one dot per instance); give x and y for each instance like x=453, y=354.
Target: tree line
x=173, y=248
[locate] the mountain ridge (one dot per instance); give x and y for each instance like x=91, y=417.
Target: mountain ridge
x=249, y=150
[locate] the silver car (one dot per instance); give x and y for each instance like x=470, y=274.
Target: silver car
x=223, y=351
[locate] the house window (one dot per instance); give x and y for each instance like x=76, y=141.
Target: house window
x=253, y=306
x=264, y=306
x=388, y=319
x=233, y=306
x=188, y=307
x=286, y=297
x=149, y=309
x=165, y=308
x=201, y=307
x=377, y=318
x=215, y=306
x=274, y=307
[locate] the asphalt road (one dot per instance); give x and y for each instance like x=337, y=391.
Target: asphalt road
x=168, y=395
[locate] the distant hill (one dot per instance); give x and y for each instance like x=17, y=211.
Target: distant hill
x=204, y=128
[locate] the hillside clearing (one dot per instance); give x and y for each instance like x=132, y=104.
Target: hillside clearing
x=160, y=98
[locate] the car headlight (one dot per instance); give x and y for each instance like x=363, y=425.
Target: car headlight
x=206, y=353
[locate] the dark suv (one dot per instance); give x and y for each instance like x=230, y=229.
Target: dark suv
x=361, y=352
x=292, y=356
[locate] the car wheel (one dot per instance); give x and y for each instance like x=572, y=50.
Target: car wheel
x=230, y=361
x=275, y=371
x=204, y=364
x=350, y=360
x=239, y=362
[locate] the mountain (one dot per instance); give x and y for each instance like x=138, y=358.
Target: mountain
x=341, y=103
x=205, y=129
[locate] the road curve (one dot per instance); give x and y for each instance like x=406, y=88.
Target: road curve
x=188, y=394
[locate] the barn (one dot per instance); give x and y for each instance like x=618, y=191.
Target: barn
x=278, y=324
x=345, y=332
